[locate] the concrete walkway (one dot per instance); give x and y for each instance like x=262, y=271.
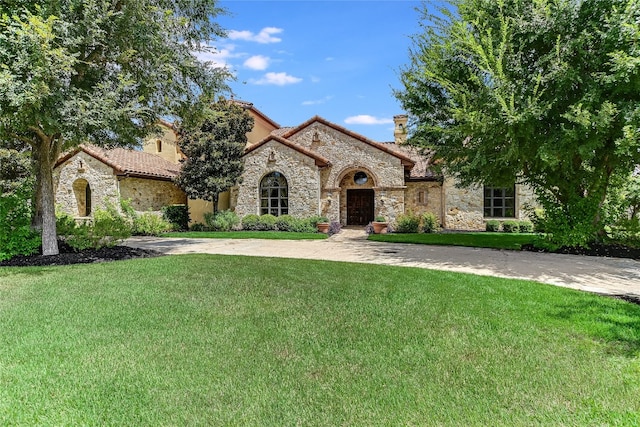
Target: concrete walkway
x=612, y=276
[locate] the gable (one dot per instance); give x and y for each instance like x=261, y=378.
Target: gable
x=320, y=161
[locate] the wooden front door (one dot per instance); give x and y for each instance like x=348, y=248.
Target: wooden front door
x=359, y=207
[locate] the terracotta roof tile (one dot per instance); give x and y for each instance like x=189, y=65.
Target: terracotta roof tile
x=422, y=169
x=129, y=162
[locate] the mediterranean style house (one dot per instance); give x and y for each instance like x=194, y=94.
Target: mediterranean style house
x=315, y=168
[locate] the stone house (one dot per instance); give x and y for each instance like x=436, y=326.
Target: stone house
x=315, y=168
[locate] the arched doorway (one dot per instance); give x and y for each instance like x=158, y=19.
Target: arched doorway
x=358, y=197
x=82, y=191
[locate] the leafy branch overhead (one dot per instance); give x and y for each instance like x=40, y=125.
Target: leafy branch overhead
x=542, y=93
x=100, y=72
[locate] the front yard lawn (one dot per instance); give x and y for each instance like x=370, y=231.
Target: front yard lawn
x=230, y=340
x=512, y=241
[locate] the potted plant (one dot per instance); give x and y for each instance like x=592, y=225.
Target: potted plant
x=380, y=225
x=323, y=225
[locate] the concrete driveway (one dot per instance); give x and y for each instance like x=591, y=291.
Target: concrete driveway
x=612, y=276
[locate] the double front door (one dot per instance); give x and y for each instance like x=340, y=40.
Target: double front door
x=360, y=207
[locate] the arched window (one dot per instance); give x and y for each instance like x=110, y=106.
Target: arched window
x=82, y=191
x=274, y=194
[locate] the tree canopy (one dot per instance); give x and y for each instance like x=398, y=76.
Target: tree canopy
x=213, y=147
x=100, y=72
x=544, y=93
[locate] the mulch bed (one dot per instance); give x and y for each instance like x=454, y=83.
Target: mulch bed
x=613, y=251
x=68, y=256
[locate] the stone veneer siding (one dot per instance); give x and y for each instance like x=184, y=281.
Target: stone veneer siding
x=303, y=180
x=101, y=179
x=151, y=194
x=431, y=201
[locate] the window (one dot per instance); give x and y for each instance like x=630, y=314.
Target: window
x=360, y=178
x=499, y=202
x=274, y=195
x=422, y=197
x=158, y=146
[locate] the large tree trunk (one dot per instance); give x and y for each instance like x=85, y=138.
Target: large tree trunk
x=44, y=155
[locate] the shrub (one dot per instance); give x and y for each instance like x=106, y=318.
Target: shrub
x=221, y=221
x=511, y=226
x=150, y=224
x=429, y=222
x=250, y=222
x=314, y=220
x=493, y=225
x=301, y=225
x=285, y=223
x=380, y=218
x=16, y=235
x=525, y=226
x=408, y=223
x=334, y=228
x=537, y=216
x=177, y=216
x=267, y=222
x=198, y=226
x=109, y=227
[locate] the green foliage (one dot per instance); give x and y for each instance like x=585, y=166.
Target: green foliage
x=544, y=92
x=178, y=216
x=108, y=228
x=511, y=226
x=525, y=226
x=198, y=227
x=214, y=147
x=101, y=72
x=250, y=222
x=407, y=223
x=429, y=222
x=16, y=234
x=493, y=225
x=380, y=218
x=150, y=224
x=221, y=221
x=267, y=222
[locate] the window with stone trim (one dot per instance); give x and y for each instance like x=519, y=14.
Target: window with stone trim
x=274, y=194
x=499, y=202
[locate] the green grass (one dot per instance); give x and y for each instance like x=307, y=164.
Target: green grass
x=272, y=235
x=215, y=340
x=511, y=241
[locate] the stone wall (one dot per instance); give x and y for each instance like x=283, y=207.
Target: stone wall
x=424, y=196
x=303, y=179
x=150, y=194
x=100, y=177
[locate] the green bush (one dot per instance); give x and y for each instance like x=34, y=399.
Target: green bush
x=407, y=223
x=150, y=224
x=16, y=235
x=286, y=223
x=221, y=221
x=267, y=222
x=314, y=220
x=493, y=225
x=525, y=226
x=109, y=227
x=511, y=226
x=177, y=216
x=429, y=222
x=198, y=226
x=250, y=222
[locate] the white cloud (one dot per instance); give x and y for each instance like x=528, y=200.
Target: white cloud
x=257, y=62
x=278, y=79
x=264, y=36
x=365, y=119
x=317, y=101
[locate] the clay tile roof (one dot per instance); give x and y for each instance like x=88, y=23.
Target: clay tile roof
x=129, y=162
x=422, y=169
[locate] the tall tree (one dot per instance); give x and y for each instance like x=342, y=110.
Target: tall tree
x=100, y=72
x=543, y=92
x=213, y=147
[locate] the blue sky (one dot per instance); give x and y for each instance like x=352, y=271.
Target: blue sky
x=337, y=59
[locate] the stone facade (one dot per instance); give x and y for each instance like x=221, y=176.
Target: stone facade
x=151, y=194
x=424, y=196
x=80, y=169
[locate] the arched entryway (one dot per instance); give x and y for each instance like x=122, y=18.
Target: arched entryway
x=82, y=191
x=358, y=197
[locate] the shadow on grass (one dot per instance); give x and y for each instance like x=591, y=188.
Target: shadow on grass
x=606, y=319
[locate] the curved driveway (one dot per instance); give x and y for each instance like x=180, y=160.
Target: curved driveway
x=613, y=276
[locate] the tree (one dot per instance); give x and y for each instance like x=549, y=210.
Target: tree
x=213, y=147
x=100, y=72
x=544, y=93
